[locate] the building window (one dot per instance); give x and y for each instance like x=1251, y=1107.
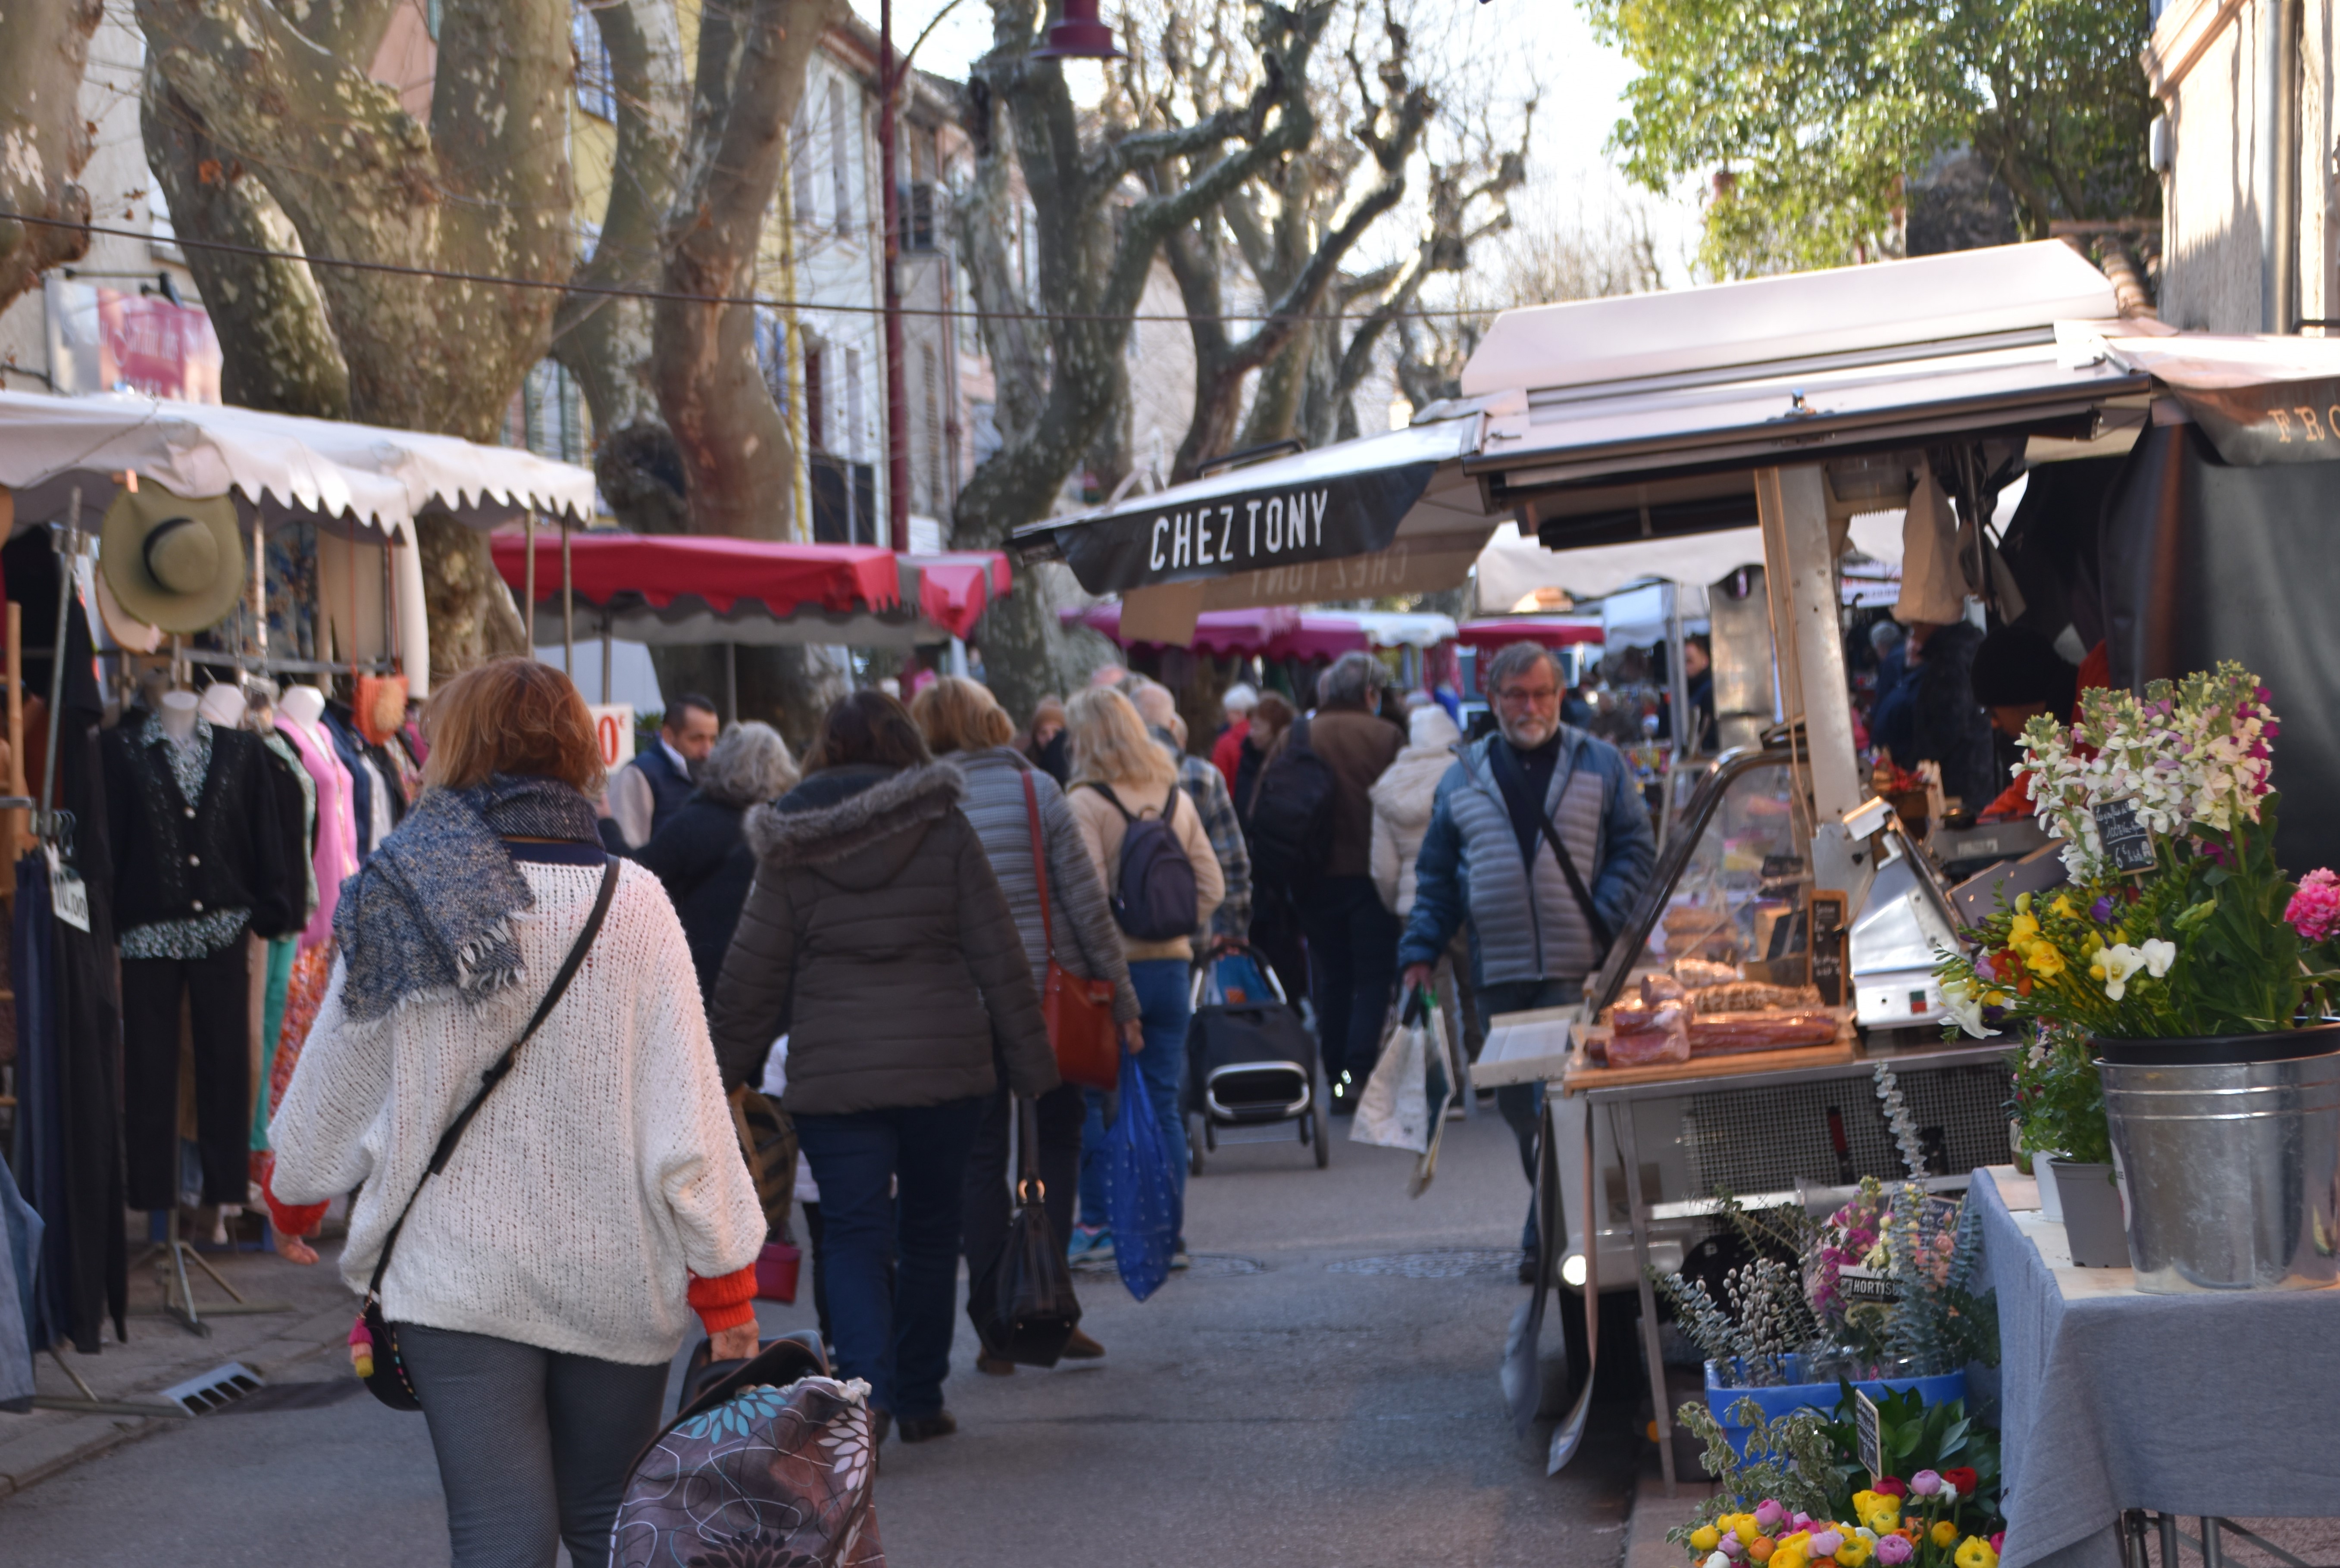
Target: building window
x=839, y=170
x=853, y=403
x=931, y=377
x=816, y=403
x=597, y=92
x=772, y=354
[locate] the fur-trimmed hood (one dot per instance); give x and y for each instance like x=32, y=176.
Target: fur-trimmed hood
x=857, y=825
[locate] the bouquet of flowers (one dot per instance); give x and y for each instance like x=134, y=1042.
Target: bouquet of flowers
x=2183, y=924
x=1901, y=1525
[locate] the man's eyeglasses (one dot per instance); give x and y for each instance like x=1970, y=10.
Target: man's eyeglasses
x=1528, y=696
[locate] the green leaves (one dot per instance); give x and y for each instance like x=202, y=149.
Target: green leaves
x=1824, y=111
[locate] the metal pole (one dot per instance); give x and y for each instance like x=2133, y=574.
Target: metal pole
x=605, y=656
x=2214, y=1551
x=528, y=580
x=259, y=587
x=2279, y=166
x=897, y=451
x=958, y=657
x=730, y=683
x=57, y=656
x=567, y=607
x=1621, y=1128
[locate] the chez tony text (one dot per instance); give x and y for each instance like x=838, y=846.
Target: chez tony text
x=1213, y=535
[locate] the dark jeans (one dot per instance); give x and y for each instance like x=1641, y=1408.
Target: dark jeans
x=1351, y=965
x=889, y=1259
x=1165, y=1005
x=990, y=1203
x=1522, y=1103
x=219, y=993
x=533, y=1445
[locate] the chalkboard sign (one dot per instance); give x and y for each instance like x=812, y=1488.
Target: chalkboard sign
x=2128, y=847
x=1828, y=933
x=1869, y=1433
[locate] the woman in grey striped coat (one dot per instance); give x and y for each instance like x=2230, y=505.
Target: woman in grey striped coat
x=964, y=725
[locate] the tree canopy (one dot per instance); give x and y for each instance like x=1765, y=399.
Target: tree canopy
x=1819, y=113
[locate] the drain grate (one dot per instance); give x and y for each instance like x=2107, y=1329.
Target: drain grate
x=278, y=1396
x=1454, y=1265
x=218, y=1389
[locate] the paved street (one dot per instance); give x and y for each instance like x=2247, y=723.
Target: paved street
x=1319, y=1390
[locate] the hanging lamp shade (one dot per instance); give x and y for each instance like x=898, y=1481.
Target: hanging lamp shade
x=1081, y=36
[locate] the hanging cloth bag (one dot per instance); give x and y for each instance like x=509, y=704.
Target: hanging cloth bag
x=1142, y=1199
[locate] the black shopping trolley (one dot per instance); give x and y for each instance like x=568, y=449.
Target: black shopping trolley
x=1250, y=1059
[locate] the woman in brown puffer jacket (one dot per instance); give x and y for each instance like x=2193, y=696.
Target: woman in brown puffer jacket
x=876, y=937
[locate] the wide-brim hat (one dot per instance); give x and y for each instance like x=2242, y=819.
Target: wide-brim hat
x=172, y=562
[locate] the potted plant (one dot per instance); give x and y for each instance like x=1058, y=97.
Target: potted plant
x=2190, y=970
x=2059, y=1098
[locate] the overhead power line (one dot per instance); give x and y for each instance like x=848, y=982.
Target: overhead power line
x=616, y=292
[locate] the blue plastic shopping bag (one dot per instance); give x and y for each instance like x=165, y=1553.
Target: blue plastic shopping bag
x=1142, y=1197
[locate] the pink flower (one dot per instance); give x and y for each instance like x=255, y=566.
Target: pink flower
x=1893, y=1551
x=1767, y=1514
x=2315, y=909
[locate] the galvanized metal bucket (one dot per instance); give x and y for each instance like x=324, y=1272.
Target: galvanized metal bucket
x=2232, y=1166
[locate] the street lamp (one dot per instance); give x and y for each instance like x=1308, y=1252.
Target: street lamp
x=1081, y=36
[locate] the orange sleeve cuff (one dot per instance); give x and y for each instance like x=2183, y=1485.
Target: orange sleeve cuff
x=290, y=1219
x=725, y=1302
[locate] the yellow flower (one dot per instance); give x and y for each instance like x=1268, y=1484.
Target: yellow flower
x=1705, y=1538
x=1975, y=1551
x=1864, y=1504
x=2062, y=906
x=2023, y=929
x=1745, y=1528
x=1853, y=1553
x=2044, y=959
x=1945, y=1533
x=1787, y=1556
x=1882, y=1515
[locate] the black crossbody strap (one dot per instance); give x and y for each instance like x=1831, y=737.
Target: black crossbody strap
x=496, y=1073
x=1603, y=936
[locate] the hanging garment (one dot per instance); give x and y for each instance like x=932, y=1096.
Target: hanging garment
x=83, y=1273
x=40, y=1094
x=351, y=749
x=336, y=853
x=20, y=1261
x=295, y=794
x=281, y=956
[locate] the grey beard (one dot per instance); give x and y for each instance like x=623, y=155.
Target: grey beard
x=1526, y=734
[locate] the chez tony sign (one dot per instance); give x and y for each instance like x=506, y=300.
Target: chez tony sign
x=1195, y=537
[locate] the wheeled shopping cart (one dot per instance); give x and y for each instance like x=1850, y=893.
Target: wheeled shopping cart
x=1251, y=1061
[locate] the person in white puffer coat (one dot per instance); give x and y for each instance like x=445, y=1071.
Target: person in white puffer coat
x=1402, y=797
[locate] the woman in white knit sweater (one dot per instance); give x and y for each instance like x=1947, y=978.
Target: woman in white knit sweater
x=545, y=1278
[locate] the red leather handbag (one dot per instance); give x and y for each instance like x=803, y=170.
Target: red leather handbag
x=1079, y=1010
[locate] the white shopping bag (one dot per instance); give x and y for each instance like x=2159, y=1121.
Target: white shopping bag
x=1394, y=1111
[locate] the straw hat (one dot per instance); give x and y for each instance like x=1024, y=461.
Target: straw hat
x=172, y=562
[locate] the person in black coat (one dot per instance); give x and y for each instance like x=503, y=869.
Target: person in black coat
x=701, y=852
x=1947, y=725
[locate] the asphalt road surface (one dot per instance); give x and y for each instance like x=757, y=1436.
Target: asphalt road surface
x=1320, y=1389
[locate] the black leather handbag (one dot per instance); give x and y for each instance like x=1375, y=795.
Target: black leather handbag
x=373, y=1342
x=1022, y=1305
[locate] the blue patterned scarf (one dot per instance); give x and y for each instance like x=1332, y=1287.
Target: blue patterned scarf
x=432, y=912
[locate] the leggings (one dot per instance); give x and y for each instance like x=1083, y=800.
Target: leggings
x=533, y=1445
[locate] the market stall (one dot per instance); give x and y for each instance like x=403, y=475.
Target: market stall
x=148, y=541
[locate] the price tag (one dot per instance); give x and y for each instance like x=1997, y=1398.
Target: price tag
x=68, y=894
x=2128, y=847
x=613, y=725
x=1870, y=1434
x=1827, y=913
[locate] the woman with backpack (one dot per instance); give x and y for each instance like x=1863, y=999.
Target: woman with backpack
x=877, y=938
x=534, y=1291
x=1148, y=845
x=1027, y=828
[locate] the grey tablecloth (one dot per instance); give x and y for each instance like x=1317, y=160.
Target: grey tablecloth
x=2190, y=1404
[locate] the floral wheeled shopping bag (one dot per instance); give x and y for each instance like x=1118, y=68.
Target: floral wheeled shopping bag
x=751, y=1475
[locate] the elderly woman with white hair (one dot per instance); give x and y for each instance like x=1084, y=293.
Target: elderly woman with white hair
x=701, y=852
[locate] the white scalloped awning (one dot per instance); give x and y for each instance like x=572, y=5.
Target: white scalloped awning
x=285, y=467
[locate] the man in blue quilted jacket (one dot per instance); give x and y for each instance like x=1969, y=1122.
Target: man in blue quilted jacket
x=1489, y=856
